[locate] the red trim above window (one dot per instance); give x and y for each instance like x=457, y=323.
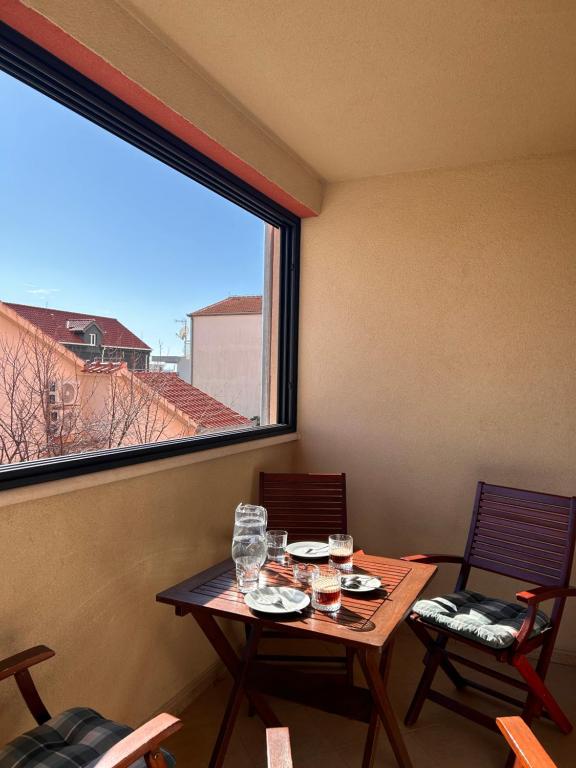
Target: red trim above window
x=53, y=39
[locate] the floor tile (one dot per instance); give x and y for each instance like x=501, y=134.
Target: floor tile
x=440, y=739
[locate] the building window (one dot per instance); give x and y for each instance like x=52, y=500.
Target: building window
x=194, y=295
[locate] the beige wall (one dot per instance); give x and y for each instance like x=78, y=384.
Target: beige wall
x=117, y=37
x=81, y=567
x=438, y=346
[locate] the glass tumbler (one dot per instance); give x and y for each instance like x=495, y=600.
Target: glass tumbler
x=303, y=572
x=248, y=553
x=276, y=541
x=326, y=589
x=340, y=550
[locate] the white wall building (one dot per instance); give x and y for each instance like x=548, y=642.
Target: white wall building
x=226, y=352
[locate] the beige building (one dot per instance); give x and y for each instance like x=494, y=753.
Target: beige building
x=226, y=352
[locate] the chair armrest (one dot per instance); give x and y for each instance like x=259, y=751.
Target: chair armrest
x=525, y=745
x=278, y=748
x=433, y=558
x=23, y=660
x=533, y=597
x=143, y=741
x=539, y=594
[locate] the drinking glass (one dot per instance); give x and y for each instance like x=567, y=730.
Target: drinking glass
x=277, y=541
x=303, y=572
x=326, y=589
x=248, y=553
x=340, y=549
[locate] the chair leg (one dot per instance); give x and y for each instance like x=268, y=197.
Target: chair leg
x=434, y=658
x=544, y=659
x=512, y=760
x=350, y=666
x=431, y=645
x=251, y=708
x=424, y=686
x=448, y=668
x=539, y=692
x=155, y=760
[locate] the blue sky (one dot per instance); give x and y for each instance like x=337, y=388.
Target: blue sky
x=89, y=223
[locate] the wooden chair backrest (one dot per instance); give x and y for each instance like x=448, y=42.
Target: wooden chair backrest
x=305, y=505
x=528, y=750
x=522, y=534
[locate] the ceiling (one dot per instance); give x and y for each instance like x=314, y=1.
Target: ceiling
x=360, y=88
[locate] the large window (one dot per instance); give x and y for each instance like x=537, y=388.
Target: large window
x=148, y=298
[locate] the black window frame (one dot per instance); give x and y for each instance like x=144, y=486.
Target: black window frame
x=31, y=64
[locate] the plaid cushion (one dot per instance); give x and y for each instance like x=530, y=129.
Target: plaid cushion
x=75, y=739
x=487, y=620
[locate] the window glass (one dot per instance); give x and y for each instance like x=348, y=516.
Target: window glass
x=136, y=305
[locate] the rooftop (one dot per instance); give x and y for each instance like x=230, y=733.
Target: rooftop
x=97, y=367
x=233, y=305
x=63, y=326
x=205, y=410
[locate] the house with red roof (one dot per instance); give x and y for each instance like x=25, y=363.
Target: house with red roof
x=226, y=353
x=54, y=403
x=90, y=337
x=207, y=413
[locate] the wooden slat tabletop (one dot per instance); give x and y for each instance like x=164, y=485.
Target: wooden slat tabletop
x=367, y=620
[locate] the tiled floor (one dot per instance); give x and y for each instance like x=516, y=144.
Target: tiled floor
x=319, y=740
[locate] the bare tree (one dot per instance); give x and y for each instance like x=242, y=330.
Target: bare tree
x=35, y=419
x=134, y=413
x=52, y=408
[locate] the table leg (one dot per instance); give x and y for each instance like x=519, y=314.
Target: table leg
x=233, y=705
x=374, y=726
x=372, y=667
x=219, y=642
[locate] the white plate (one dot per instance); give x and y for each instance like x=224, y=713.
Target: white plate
x=276, y=599
x=309, y=550
x=360, y=582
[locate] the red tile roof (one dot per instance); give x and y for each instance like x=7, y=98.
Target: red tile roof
x=233, y=305
x=205, y=410
x=79, y=325
x=96, y=367
x=54, y=322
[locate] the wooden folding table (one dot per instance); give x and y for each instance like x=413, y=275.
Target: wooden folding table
x=365, y=623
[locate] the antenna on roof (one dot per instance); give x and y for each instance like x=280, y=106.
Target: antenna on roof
x=183, y=333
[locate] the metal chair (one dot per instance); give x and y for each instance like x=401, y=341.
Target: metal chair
x=524, y=535
x=79, y=737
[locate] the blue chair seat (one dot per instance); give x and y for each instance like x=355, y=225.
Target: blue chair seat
x=75, y=739
x=487, y=620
